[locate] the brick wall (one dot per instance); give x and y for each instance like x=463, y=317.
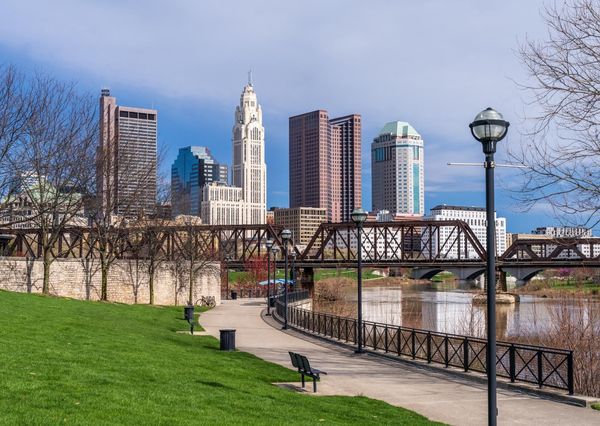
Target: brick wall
x=127, y=280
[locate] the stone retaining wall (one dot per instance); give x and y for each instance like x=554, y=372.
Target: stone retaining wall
x=127, y=280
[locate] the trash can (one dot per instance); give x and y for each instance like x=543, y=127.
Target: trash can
x=233, y=295
x=188, y=312
x=227, y=339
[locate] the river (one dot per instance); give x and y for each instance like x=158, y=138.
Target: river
x=446, y=308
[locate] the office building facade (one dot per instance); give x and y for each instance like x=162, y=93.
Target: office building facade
x=126, y=158
x=302, y=221
x=325, y=163
x=194, y=168
x=449, y=244
x=563, y=231
x=397, y=170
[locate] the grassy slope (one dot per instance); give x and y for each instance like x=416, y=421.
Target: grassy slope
x=83, y=362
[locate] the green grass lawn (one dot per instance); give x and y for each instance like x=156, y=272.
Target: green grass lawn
x=74, y=362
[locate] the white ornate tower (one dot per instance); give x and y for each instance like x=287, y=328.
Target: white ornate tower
x=249, y=168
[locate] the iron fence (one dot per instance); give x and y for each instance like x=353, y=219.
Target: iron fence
x=517, y=362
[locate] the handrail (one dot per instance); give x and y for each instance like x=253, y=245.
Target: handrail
x=540, y=365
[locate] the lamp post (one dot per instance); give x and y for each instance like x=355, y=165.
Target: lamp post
x=269, y=246
x=286, y=234
x=227, y=260
x=293, y=269
x=275, y=250
x=489, y=128
x=358, y=217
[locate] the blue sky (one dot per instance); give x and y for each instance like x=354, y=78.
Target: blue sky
x=435, y=64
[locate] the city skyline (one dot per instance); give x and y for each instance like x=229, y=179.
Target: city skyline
x=443, y=94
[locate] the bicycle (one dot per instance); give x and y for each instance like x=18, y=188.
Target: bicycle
x=209, y=301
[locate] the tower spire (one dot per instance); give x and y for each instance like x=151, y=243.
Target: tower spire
x=250, y=77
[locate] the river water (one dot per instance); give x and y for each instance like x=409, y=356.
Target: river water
x=446, y=308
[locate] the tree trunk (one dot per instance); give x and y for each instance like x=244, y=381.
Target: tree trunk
x=151, y=282
x=104, y=277
x=47, y=262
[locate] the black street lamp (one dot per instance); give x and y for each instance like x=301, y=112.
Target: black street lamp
x=269, y=246
x=286, y=234
x=293, y=269
x=358, y=217
x=227, y=260
x=275, y=250
x=489, y=128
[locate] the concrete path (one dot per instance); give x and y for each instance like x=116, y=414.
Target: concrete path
x=434, y=395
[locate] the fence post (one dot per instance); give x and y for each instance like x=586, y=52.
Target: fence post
x=399, y=340
x=466, y=353
x=374, y=337
x=386, y=339
x=570, y=382
x=346, y=329
x=414, y=345
x=428, y=347
x=446, y=360
x=339, y=328
x=512, y=363
x=539, y=369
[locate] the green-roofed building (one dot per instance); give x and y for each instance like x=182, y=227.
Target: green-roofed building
x=397, y=170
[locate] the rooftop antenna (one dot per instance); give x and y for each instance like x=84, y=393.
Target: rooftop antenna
x=250, y=77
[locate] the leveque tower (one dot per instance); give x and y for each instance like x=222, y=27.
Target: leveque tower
x=245, y=201
x=249, y=170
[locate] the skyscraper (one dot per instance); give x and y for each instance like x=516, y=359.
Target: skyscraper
x=248, y=166
x=397, y=170
x=126, y=158
x=193, y=168
x=325, y=163
x=245, y=202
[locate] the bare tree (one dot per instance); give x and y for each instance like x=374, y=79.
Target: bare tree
x=16, y=108
x=48, y=163
x=114, y=216
x=195, y=252
x=563, y=150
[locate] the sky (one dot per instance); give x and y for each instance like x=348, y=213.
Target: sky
x=433, y=63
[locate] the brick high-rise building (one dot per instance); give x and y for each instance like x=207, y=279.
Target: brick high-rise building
x=325, y=163
x=126, y=158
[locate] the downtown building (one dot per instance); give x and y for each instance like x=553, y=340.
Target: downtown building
x=325, y=163
x=194, y=168
x=302, y=221
x=126, y=159
x=448, y=244
x=245, y=201
x=397, y=170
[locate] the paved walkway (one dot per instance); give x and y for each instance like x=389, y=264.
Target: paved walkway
x=434, y=395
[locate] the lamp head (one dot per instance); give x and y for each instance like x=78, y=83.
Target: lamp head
x=286, y=234
x=489, y=127
x=269, y=244
x=358, y=216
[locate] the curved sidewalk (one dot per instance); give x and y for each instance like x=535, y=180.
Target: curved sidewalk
x=435, y=395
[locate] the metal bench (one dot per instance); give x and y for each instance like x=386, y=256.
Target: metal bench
x=304, y=368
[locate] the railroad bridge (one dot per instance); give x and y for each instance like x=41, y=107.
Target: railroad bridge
x=428, y=247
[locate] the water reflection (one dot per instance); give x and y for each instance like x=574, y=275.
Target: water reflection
x=449, y=309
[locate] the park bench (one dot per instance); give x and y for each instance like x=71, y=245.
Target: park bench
x=304, y=368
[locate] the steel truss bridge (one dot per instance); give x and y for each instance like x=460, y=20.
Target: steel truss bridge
x=429, y=246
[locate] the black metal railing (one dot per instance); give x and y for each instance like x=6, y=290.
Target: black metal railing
x=517, y=362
